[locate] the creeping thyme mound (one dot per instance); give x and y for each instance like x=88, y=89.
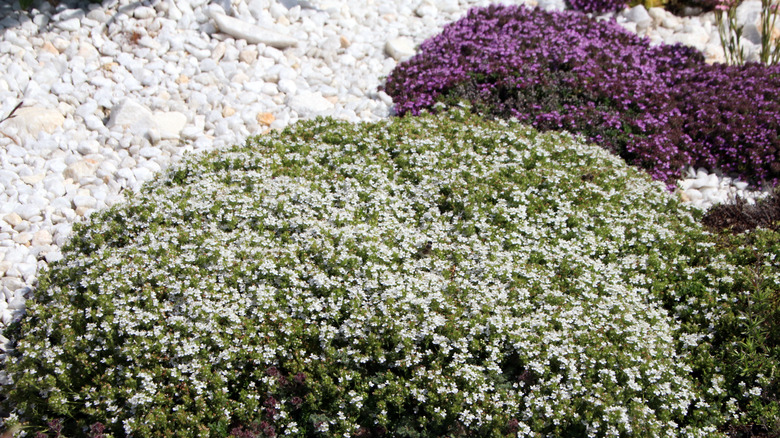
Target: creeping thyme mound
x=288, y=287
x=661, y=108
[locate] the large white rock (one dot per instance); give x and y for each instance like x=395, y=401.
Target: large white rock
x=253, y=34
x=33, y=120
x=308, y=104
x=400, y=48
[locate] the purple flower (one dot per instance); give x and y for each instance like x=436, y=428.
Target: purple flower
x=661, y=108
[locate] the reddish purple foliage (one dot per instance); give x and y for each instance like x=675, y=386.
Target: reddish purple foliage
x=660, y=108
x=254, y=431
x=597, y=6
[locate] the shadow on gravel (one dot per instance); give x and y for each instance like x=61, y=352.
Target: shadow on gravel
x=11, y=15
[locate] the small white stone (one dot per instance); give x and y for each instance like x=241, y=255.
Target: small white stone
x=98, y=15
x=219, y=51
x=685, y=184
x=251, y=33
x=42, y=238
x=54, y=186
x=170, y=124
x=53, y=256
x=657, y=14
x=7, y=317
x=84, y=201
x=71, y=25
x=671, y=22
x=33, y=179
x=26, y=211
x=287, y=86
x=400, y=48
x=12, y=219
x=22, y=238
x=708, y=193
x=740, y=185
x=551, y=5
x=693, y=194
x=88, y=147
x=24, y=225
x=150, y=152
x=426, y=8
x=248, y=56
x=33, y=120
x=151, y=165
x=698, y=38
x=448, y=6
x=308, y=104
x=629, y=26
x=84, y=211
x=142, y=174
x=699, y=182
x=93, y=123
x=16, y=303
x=153, y=135
x=130, y=113
x=638, y=14
x=143, y=12
x=80, y=169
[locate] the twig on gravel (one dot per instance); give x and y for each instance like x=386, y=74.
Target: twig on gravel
x=9, y=116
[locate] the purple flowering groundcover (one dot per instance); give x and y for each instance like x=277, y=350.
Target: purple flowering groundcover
x=661, y=108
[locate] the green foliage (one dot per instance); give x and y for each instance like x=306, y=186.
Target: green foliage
x=731, y=32
x=288, y=287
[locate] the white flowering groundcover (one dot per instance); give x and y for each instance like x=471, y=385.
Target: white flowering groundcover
x=428, y=276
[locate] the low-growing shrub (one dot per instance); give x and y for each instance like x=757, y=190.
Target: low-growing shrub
x=432, y=276
x=661, y=108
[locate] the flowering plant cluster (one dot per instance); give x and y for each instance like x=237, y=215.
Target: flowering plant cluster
x=431, y=276
x=596, y=6
x=661, y=108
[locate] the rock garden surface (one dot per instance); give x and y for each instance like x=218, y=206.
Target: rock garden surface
x=98, y=99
